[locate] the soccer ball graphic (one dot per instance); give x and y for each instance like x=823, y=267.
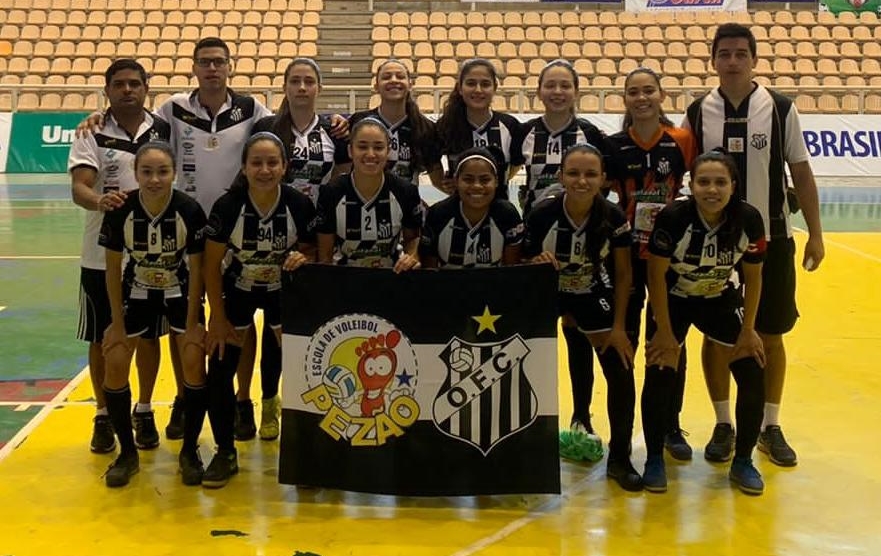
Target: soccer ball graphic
x=461, y=359
x=340, y=382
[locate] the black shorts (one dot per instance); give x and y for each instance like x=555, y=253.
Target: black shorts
x=718, y=318
x=777, y=310
x=94, y=305
x=152, y=317
x=240, y=307
x=593, y=312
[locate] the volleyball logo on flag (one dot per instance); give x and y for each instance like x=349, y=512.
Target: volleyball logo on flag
x=486, y=396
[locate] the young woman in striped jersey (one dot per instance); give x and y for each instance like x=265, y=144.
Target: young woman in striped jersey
x=587, y=238
x=468, y=120
x=413, y=148
x=267, y=227
x=546, y=138
x=156, y=227
x=473, y=227
x=695, y=246
x=364, y=216
x=649, y=158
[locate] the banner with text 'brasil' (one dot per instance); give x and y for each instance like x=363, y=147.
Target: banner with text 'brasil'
x=427, y=383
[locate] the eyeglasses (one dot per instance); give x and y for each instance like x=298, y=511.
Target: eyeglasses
x=206, y=62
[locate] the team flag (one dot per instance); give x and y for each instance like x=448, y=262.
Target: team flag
x=426, y=383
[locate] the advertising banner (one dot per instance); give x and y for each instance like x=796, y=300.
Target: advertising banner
x=838, y=6
x=684, y=5
x=427, y=383
x=5, y=127
x=40, y=141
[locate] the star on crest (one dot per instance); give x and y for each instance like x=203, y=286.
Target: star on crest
x=486, y=321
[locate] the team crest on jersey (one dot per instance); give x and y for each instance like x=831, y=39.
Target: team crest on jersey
x=759, y=141
x=361, y=372
x=664, y=167
x=486, y=396
x=236, y=114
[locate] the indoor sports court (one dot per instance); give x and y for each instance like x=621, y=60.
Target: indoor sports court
x=55, y=501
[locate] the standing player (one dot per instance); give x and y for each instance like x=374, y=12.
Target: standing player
x=364, y=216
x=413, y=148
x=761, y=131
x=473, y=227
x=267, y=227
x=695, y=245
x=649, y=159
x=155, y=227
x=546, y=138
x=468, y=120
x=101, y=172
x=586, y=238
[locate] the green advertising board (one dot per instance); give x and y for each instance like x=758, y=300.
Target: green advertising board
x=40, y=141
x=838, y=6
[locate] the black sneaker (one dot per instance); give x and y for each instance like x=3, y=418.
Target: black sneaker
x=103, y=440
x=245, y=428
x=121, y=470
x=677, y=446
x=223, y=466
x=721, y=446
x=624, y=474
x=174, y=430
x=772, y=442
x=191, y=467
x=146, y=435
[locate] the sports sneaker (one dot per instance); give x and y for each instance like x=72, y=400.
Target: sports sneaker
x=223, y=466
x=624, y=474
x=174, y=430
x=655, y=477
x=746, y=476
x=721, y=445
x=269, y=418
x=121, y=470
x=191, y=467
x=677, y=446
x=146, y=435
x=772, y=442
x=244, y=427
x=103, y=440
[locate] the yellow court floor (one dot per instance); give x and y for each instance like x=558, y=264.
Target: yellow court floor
x=55, y=502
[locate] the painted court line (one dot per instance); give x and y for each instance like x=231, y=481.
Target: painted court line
x=38, y=257
x=22, y=435
x=846, y=247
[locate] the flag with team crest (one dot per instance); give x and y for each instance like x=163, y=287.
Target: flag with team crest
x=430, y=383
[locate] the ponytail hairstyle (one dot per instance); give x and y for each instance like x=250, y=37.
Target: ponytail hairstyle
x=598, y=231
x=282, y=126
x=421, y=128
x=734, y=209
x=492, y=155
x=560, y=63
x=628, y=117
x=452, y=126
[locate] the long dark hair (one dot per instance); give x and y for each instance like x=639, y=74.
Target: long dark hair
x=421, y=128
x=628, y=117
x=452, y=126
x=734, y=208
x=496, y=159
x=282, y=125
x=599, y=228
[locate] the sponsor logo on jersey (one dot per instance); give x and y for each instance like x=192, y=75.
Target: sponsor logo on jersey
x=361, y=371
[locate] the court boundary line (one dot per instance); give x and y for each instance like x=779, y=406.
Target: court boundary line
x=38, y=257
x=845, y=246
x=38, y=419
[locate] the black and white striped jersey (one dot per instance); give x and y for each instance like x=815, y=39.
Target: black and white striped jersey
x=762, y=134
x=501, y=130
x=550, y=228
x=702, y=259
x=111, y=153
x=208, y=148
x=449, y=236
x=260, y=242
x=311, y=155
x=155, y=244
x=367, y=231
x=543, y=151
x=401, y=147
